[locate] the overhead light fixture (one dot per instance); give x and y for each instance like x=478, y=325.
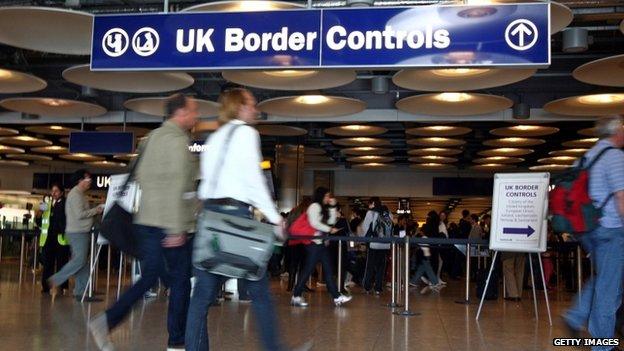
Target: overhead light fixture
x=56, y=102
x=601, y=99
x=459, y=72
x=57, y=127
x=255, y=5
x=452, y=97
x=525, y=128
x=312, y=99
x=290, y=73
x=355, y=127
x=360, y=3
x=25, y=138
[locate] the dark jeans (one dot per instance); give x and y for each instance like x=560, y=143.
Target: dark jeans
x=159, y=262
x=205, y=292
x=317, y=253
x=375, y=269
x=206, y=289
x=296, y=262
x=53, y=257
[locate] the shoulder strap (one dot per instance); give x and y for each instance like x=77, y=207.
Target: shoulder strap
x=134, y=165
x=226, y=145
x=599, y=156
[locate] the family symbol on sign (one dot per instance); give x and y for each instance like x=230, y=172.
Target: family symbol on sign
x=521, y=34
x=145, y=42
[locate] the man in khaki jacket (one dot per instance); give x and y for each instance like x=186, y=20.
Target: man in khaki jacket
x=166, y=174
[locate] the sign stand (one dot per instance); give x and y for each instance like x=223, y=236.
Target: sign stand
x=519, y=210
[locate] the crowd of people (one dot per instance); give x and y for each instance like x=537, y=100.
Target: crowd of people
x=231, y=182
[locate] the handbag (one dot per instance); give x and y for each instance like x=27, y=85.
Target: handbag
x=301, y=227
x=232, y=246
x=117, y=224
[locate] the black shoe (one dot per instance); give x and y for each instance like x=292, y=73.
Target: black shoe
x=306, y=289
x=514, y=299
x=88, y=299
x=572, y=332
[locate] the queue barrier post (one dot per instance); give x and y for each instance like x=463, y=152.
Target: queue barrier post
x=579, y=269
x=22, y=247
x=339, y=273
x=36, y=251
x=466, y=300
x=406, y=311
x=393, y=303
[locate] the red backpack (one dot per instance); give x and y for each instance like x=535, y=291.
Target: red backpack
x=571, y=209
x=301, y=227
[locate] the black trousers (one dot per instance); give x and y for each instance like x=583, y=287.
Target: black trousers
x=375, y=269
x=53, y=257
x=296, y=259
x=317, y=253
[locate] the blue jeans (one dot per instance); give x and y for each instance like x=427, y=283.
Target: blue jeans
x=174, y=263
x=78, y=264
x=602, y=295
x=424, y=268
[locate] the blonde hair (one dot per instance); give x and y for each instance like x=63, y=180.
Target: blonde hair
x=231, y=100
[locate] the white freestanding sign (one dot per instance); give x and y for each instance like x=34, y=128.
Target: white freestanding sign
x=126, y=199
x=519, y=211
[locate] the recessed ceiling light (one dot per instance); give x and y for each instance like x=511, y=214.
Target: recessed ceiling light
x=601, y=99
x=312, y=99
x=453, y=97
x=290, y=73
x=25, y=138
x=4, y=74
x=56, y=102
x=56, y=128
x=459, y=72
x=255, y=6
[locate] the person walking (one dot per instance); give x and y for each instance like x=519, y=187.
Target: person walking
x=166, y=173
x=602, y=295
x=79, y=221
x=322, y=215
x=232, y=183
x=53, y=243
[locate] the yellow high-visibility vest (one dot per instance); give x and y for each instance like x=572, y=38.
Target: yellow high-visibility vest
x=45, y=225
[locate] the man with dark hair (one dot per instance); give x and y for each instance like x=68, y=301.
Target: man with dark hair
x=465, y=225
x=54, y=250
x=79, y=220
x=166, y=173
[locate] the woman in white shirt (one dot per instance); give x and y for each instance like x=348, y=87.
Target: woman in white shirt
x=233, y=184
x=442, y=254
x=322, y=215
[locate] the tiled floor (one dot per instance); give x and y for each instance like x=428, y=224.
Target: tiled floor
x=29, y=321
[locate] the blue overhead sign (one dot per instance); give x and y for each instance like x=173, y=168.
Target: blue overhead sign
x=422, y=36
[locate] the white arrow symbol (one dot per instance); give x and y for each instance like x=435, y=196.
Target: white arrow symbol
x=521, y=30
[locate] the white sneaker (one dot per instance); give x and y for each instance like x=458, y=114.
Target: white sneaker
x=342, y=299
x=441, y=282
x=298, y=302
x=425, y=280
x=150, y=295
x=98, y=327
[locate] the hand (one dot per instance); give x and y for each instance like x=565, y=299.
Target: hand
x=334, y=230
x=99, y=209
x=174, y=240
x=280, y=231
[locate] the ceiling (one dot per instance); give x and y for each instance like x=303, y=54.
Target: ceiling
x=600, y=17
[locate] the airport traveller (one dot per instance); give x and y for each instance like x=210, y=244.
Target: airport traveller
x=79, y=220
x=232, y=183
x=320, y=217
x=166, y=173
x=377, y=252
x=602, y=295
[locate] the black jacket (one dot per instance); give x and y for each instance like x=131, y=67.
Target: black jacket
x=57, y=218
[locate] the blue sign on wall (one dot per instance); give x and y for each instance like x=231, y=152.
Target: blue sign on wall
x=101, y=143
x=423, y=36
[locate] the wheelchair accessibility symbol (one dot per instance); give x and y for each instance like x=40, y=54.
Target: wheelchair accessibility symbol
x=115, y=42
x=145, y=41
x=521, y=35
